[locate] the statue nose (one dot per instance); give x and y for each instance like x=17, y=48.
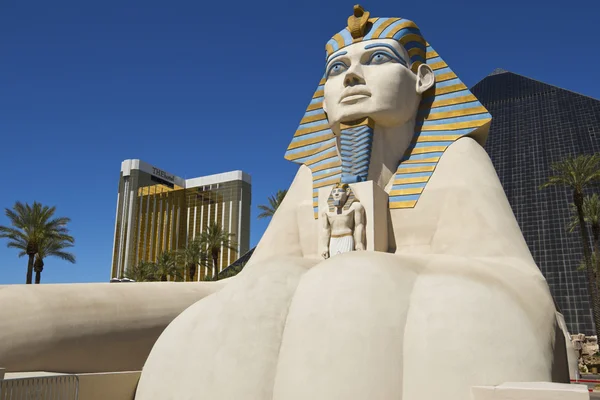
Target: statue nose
x=353, y=79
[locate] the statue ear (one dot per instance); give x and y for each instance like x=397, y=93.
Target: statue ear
x=425, y=78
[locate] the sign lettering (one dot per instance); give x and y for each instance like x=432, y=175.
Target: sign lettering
x=162, y=174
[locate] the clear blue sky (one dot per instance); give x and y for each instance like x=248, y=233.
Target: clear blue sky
x=201, y=87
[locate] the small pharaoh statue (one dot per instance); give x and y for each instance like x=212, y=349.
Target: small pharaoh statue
x=343, y=224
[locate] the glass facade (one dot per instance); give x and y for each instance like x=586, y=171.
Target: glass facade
x=157, y=212
x=534, y=125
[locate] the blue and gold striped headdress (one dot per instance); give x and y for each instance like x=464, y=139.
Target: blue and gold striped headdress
x=448, y=111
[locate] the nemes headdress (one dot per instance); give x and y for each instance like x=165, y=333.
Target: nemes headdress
x=448, y=111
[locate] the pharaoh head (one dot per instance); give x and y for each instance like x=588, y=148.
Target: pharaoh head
x=341, y=196
x=374, y=76
x=382, y=72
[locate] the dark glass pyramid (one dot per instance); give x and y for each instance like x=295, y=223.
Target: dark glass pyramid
x=534, y=125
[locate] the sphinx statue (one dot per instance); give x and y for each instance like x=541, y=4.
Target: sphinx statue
x=453, y=301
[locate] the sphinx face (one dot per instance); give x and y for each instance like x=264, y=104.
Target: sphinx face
x=371, y=79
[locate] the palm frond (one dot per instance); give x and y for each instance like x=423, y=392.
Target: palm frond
x=591, y=212
x=190, y=256
x=212, y=240
x=214, y=237
x=17, y=245
x=274, y=203
x=591, y=209
x=574, y=221
x=63, y=255
x=142, y=272
x=267, y=211
x=167, y=266
x=576, y=172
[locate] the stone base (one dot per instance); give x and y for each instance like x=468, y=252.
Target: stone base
x=530, y=391
x=375, y=201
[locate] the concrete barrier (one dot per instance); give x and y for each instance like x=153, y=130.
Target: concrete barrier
x=47, y=385
x=590, y=383
x=63, y=387
x=531, y=391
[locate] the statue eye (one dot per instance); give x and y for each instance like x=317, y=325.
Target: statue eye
x=380, y=57
x=336, y=69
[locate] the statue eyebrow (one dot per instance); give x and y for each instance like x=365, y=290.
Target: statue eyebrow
x=336, y=56
x=370, y=46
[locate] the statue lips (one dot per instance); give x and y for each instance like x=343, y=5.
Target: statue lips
x=352, y=97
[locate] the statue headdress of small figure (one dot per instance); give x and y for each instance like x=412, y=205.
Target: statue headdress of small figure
x=448, y=111
x=351, y=198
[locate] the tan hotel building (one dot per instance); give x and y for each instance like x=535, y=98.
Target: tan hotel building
x=158, y=211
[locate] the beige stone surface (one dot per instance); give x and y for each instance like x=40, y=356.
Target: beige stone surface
x=231, y=351
x=108, y=386
x=92, y=327
x=388, y=317
x=531, y=391
x=463, y=211
x=31, y=374
x=367, y=325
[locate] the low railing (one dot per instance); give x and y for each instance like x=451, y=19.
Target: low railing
x=56, y=387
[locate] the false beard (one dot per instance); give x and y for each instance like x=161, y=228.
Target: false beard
x=356, y=140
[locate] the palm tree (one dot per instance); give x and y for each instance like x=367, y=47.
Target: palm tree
x=52, y=247
x=190, y=257
x=144, y=271
x=274, y=202
x=591, y=215
x=30, y=226
x=211, y=240
x=166, y=265
x=578, y=173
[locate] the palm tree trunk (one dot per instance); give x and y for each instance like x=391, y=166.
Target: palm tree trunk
x=192, y=271
x=38, y=277
x=578, y=201
x=30, y=269
x=591, y=273
x=216, y=268
x=596, y=237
